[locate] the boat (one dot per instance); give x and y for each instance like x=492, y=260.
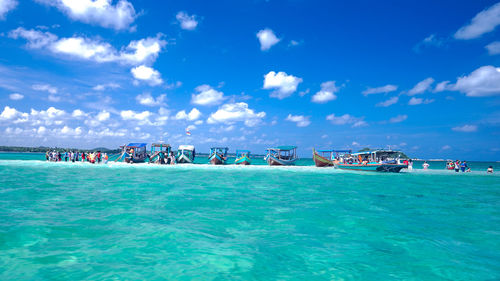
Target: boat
x=242, y=157
x=281, y=156
x=218, y=155
x=185, y=154
x=159, y=153
x=377, y=161
x=327, y=158
x=133, y=153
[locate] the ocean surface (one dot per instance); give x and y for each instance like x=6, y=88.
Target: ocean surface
x=78, y=221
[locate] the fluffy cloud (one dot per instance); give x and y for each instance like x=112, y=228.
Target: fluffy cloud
x=482, y=82
x=417, y=101
x=398, y=119
x=267, y=39
x=147, y=74
x=148, y=100
x=77, y=113
x=236, y=112
x=465, y=128
x=327, y=92
x=346, y=119
x=421, y=87
x=207, y=96
x=484, y=22
x=44, y=88
x=285, y=85
x=6, y=6
x=102, y=87
x=388, y=102
x=442, y=86
x=378, y=90
x=137, y=52
x=493, y=48
x=300, y=120
x=194, y=114
x=16, y=96
x=97, y=12
x=186, y=21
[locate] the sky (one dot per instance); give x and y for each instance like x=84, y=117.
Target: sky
x=418, y=76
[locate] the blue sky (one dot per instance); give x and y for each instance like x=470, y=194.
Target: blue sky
x=420, y=76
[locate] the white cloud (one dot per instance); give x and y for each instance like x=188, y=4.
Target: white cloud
x=384, y=89
x=148, y=74
x=484, y=22
x=194, y=114
x=148, y=100
x=493, y=48
x=417, y=101
x=16, y=96
x=236, y=112
x=186, y=21
x=9, y=113
x=398, y=119
x=300, y=120
x=442, y=86
x=346, y=119
x=44, y=88
x=267, y=39
x=388, y=102
x=430, y=40
x=465, y=128
x=103, y=116
x=482, y=82
x=77, y=113
x=445, y=147
x=143, y=51
x=142, y=117
x=284, y=84
x=327, y=92
x=207, y=96
x=97, y=12
x=102, y=87
x=6, y=6
x=421, y=87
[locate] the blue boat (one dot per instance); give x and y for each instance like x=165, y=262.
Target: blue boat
x=281, y=156
x=133, y=153
x=242, y=157
x=218, y=155
x=376, y=161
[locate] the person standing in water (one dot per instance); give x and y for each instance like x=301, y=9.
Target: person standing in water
x=490, y=170
x=463, y=166
x=425, y=165
x=457, y=166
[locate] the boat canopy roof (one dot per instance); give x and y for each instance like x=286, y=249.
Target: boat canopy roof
x=343, y=151
x=136, y=144
x=160, y=145
x=219, y=147
x=387, y=151
x=186, y=147
x=283, y=147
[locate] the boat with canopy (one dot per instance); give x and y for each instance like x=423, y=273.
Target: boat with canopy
x=159, y=152
x=327, y=158
x=133, y=153
x=185, y=154
x=281, y=156
x=376, y=160
x=242, y=157
x=218, y=155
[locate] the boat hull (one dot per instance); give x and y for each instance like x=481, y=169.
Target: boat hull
x=321, y=161
x=244, y=160
x=216, y=159
x=389, y=168
x=184, y=159
x=273, y=161
x=135, y=160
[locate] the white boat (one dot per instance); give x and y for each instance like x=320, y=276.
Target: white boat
x=185, y=154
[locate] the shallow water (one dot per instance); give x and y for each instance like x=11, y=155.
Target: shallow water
x=67, y=221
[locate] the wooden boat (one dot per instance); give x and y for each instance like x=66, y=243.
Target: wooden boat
x=159, y=153
x=133, y=153
x=281, y=156
x=185, y=154
x=323, y=158
x=242, y=157
x=376, y=161
x=218, y=155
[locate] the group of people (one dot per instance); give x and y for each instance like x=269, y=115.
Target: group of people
x=164, y=158
x=76, y=156
x=458, y=166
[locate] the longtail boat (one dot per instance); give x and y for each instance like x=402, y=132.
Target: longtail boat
x=281, y=156
x=159, y=152
x=242, y=157
x=323, y=158
x=376, y=160
x=133, y=153
x=218, y=155
x=185, y=154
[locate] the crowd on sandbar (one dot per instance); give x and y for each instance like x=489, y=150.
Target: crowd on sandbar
x=76, y=156
x=457, y=166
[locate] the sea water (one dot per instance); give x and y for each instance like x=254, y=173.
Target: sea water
x=78, y=221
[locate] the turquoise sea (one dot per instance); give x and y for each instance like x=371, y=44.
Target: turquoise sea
x=78, y=221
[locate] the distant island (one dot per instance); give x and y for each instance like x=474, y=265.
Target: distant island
x=45, y=149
